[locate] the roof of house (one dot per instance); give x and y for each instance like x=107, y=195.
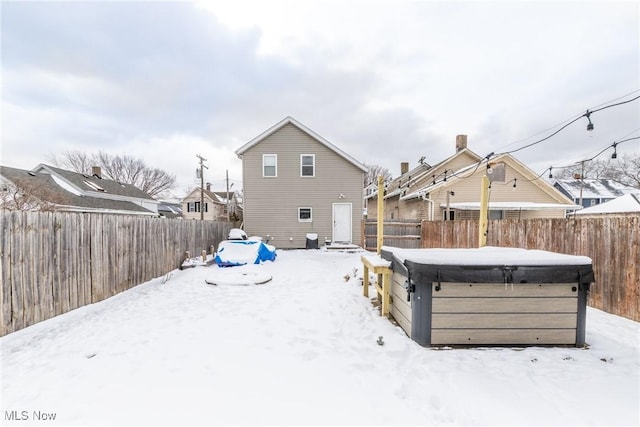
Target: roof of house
x=595, y=188
x=92, y=183
x=623, y=204
x=67, y=200
x=400, y=186
x=214, y=196
x=170, y=210
x=290, y=120
x=473, y=168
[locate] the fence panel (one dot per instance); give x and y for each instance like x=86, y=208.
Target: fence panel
x=612, y=243
x=400, y=234
x=53, y=262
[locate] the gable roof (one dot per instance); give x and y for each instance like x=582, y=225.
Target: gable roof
x=93, y=184
x=50, y=191
x=213, y=196
x=623, y=204
x=290, y=120
x=475, y=168
x=399, y=189
x=594, y=188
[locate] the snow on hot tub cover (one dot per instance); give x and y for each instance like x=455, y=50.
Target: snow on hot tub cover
x=241, y=252
x=490, y=265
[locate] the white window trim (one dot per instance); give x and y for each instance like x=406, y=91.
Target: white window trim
x=310, y=219
x=275, y=156
x=313, y=156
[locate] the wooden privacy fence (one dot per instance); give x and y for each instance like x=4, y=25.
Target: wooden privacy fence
x=612, y=242
x=54, y=262
x=398, y=233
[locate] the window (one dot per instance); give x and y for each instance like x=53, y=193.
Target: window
x=496, y=214
x=195, y=207
x=269, y=165
x=304, y=215
x=452, y=214
x=307, y=165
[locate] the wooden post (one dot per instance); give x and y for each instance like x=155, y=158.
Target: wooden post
x=484, y=206
x=380, y=224
x=365, y=280
x=204, y=255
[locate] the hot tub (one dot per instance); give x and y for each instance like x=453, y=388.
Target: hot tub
x=489, y=296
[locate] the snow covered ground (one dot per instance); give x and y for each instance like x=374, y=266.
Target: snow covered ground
x=300, y=349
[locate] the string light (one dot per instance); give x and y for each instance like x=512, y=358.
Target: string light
x=615, y=153
x=588, y=116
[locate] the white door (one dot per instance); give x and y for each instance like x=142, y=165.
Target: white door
x=342, y=222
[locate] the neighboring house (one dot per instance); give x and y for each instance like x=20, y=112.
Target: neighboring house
x=49, y=188
x=592, y=191
x=218, y=205
x=627, y=204
x=454, y=185
x=298, y=183
x=170, y=210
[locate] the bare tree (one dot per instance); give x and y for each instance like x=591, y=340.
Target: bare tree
x=624, y=170
x=25, y=195
x=371, y=177
x=121, y=168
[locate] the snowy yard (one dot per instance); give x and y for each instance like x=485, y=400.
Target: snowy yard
x=300, y=349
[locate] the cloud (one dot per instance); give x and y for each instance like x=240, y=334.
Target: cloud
x=386, y=82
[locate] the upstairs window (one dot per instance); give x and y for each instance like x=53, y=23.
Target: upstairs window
x=308, y=165
x=269, y=165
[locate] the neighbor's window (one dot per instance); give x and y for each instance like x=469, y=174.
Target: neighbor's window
x=304, y=215
x=452, y=214
x=269, y=165
x=195, y=207
x=308, y=165
x=496, y=214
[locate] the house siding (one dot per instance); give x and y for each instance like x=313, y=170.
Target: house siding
x=215, y=211
x=271, y=204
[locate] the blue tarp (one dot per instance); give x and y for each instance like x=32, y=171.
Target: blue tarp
x=240, y=252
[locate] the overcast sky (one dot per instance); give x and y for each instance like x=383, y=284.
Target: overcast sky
x=386, y=81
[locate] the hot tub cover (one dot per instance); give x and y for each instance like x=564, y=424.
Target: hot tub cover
x=490, y=265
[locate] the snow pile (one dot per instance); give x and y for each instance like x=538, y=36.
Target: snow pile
x=300, y=350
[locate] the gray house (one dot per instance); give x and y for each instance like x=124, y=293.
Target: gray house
x=49, y=188
x=298, y=183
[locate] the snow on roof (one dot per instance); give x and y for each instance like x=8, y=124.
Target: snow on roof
x=509, y=206
x=486, y=256
x=622, y=204
x=595, y=188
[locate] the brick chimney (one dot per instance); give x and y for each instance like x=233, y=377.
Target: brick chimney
x=461, y=142
x=404, y=168
x=96, y=171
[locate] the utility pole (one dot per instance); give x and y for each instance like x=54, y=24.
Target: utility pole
x=581, y=181
x=202, y=166
x=228, y=205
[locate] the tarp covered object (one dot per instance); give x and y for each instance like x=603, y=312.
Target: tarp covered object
x=240, y=252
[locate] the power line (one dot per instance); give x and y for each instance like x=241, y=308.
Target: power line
x=587, y=114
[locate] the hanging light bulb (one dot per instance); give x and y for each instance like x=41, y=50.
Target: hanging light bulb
x=514, y=183
x=550, y=174
x=615, y=153
x=588, y=116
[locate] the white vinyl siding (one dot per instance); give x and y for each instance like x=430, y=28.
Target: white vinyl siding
x=305, y=214
x=308, y=165
x=269, y=165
